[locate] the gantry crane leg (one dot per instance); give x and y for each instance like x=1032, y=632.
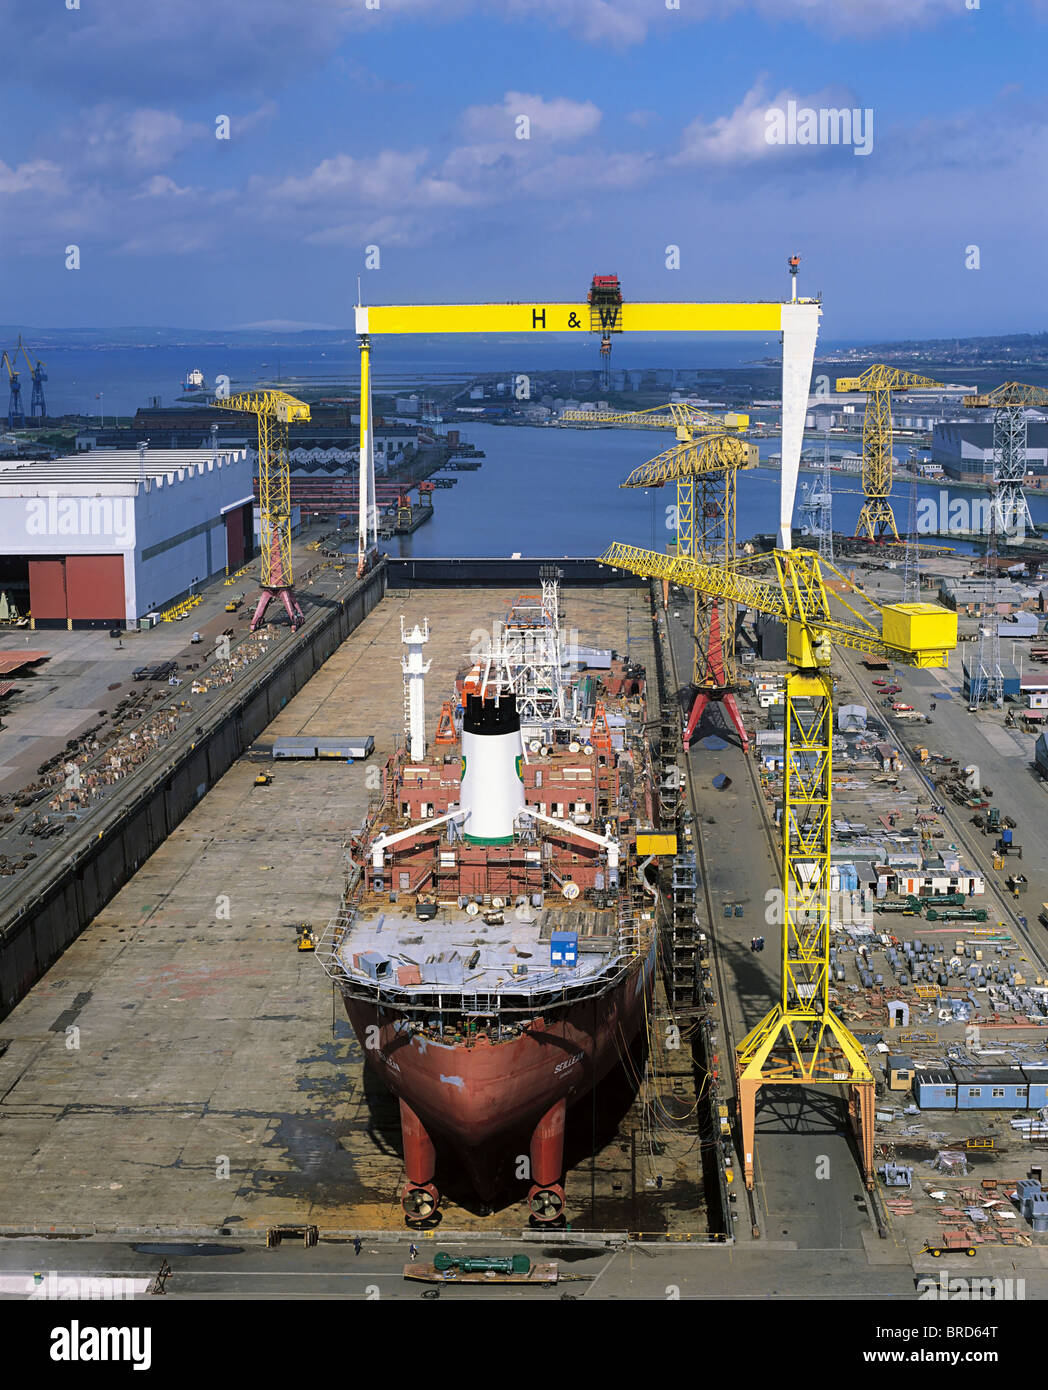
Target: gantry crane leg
x=712, y=681
x=711, y=538
x=877, y=520
x=802, y=1042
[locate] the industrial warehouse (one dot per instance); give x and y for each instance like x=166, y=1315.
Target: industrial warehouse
x=110, y=537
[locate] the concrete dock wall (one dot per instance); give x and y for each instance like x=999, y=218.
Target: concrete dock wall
x=409, y=573
x=111, y=845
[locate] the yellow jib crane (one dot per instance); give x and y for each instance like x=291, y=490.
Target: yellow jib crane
x=707, y=456
x=802, y=1041
x=15, y=412
x=876, y=518
x=1009, y=402
x=275, y=410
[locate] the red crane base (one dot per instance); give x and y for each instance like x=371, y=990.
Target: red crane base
x=290, y=602
x=728, y=701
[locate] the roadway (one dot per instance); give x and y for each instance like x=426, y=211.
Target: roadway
x=808, y=1188
x=227, y=1270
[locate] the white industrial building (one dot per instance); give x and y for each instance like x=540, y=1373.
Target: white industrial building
x=964, y=448
x=106, y=537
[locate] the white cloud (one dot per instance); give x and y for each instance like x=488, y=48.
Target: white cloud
x=254, y=120
x=37, y=175
x=139, y=50
x=623, y=22
x=559, y=119
x=106, y=138
x=390, y=178
x=741, y=137
x=160, y=186
x=612, y=171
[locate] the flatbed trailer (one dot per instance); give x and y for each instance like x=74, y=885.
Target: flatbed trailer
x=545, y=1275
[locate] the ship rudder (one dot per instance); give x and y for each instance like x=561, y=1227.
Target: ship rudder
x=546, y=1197
x=420, y=1197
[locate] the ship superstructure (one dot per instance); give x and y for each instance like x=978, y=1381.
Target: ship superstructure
x=495, y=945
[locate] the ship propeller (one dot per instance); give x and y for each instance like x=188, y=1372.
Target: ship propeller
x=546, y=1203
x=419, y=1203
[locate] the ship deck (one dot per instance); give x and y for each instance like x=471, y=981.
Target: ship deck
x=184, y=1067
x=514, y=953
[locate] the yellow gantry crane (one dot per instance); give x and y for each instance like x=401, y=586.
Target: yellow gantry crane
x=275, y=410
x=15, y=411
x=802, y=1042
x=876, y=518
x=703, y=463
x=37, y=403
x=1009, y=403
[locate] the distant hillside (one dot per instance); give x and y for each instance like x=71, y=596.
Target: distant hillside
x=1000, y=349
x=41, y=338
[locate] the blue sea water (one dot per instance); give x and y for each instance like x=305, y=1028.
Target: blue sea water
x=557, y=492
x=540, y=491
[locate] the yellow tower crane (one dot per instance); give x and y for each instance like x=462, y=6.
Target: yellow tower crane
x=15, y=413
x=802, y=1042
x=275, y=410
x=1009, y=403
x=707, y=454
x=876, y=518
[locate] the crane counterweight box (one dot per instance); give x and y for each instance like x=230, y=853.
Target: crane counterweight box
x=919, y=627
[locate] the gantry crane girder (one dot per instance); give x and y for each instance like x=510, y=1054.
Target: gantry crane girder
x=274, y=411
x=797, y=320
x=878, y=382
x=916, y=634
x=675, y=415
x=1008, y=395
x=802, y=1041
x=690, y=459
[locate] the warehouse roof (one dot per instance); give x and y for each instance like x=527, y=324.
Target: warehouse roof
x=974, y=590
x=988, y=1076
x=933, y=1076
x=14, y=661
x=110, y=470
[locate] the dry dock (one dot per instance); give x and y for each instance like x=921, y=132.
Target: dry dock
x=182, y=1066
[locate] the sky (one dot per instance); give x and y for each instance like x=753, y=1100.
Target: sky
x=655, y=146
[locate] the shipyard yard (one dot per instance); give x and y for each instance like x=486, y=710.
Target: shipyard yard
x=963, y=1001
x=184, y=1073
x=183, y=1068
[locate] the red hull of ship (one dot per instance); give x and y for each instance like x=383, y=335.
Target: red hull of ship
x=482, y=1097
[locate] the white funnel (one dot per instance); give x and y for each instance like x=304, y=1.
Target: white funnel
x=492, y=792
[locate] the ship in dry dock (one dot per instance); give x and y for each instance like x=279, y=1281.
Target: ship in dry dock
x=495, y=946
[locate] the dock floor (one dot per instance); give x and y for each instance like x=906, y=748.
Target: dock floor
x=183, y=1066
